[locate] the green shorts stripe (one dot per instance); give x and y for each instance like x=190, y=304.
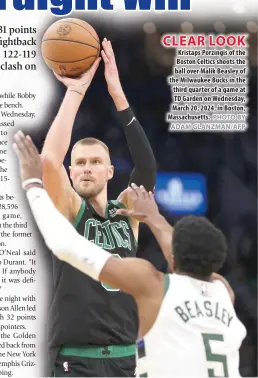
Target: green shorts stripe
x=110, y=351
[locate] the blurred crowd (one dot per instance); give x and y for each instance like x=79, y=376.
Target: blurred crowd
x=228, y=161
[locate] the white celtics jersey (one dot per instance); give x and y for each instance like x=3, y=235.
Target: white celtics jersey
x=196, y=334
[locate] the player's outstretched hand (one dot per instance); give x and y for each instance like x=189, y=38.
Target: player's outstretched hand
x=82, y=83
x=143, y=204
x=28, y=156
x=111, y=71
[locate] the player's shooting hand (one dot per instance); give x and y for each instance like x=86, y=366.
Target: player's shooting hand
x=111, y=71
x=143, y=204
x=82, y=83
x=28, y=156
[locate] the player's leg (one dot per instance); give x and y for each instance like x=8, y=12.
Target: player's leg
x=74, y=366
x=120, y=367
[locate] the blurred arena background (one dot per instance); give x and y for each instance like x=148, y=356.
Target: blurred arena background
x=222, y=167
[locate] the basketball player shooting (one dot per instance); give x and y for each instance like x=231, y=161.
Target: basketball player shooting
x=86, y=314
x=187, y=318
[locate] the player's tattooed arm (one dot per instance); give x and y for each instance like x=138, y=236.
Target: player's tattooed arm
x=58, y=139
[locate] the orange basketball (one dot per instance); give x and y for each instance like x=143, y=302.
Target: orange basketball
x=70, y=46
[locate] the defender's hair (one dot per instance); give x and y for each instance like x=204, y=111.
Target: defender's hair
x=199, y=247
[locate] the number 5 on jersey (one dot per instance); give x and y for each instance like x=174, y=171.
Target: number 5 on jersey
x=107, y=287
x=212, y=357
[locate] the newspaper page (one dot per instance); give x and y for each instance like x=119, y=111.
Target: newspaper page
x=170, y=88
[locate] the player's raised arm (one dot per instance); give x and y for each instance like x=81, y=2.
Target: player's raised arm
x=58, y=141
x=144, y=172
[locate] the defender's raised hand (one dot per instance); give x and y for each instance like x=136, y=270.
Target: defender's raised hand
x=82, y=83
x=144, y=206
x=28, y=156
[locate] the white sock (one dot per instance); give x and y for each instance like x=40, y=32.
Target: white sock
x=62, y=238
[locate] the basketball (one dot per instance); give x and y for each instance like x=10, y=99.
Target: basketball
x=70, y=47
